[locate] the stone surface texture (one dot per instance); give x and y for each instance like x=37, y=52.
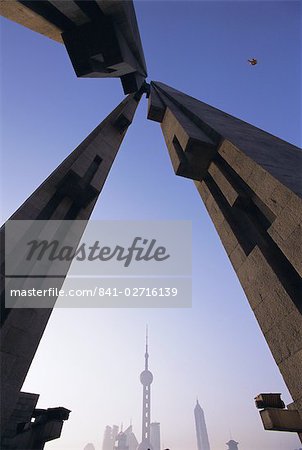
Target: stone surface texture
x=101, y=37
x=250, y=183
x=69, y=193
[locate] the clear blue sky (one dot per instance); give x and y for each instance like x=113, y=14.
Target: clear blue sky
x=89, y=360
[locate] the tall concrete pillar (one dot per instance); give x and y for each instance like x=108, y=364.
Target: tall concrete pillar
x=101, y=37
x=69, y=193
x=250, y=183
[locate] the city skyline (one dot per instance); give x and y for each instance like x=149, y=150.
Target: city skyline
x=150, y=439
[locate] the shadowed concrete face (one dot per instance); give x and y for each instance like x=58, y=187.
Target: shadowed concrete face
x=30, y=428
x=102, y=38
x=69, y=193
x=250, y=182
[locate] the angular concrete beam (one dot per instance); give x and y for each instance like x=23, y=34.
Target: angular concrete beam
x=250, y=182
x=125, y=19
x=269, y=400
x=69, y=193
x=275, y=419
x=191, y=149
x=102, y=38
x=31, y=428
x=156, y=107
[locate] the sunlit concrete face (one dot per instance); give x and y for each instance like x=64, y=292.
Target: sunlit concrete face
x=250, y=183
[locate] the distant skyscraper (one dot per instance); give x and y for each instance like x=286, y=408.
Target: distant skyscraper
x=201, y=429
x=121, y=441
x=131, y=439
x=155, y=435
x=232, y=445
x=89, y=447
x=109, y=437
x=114, y=432
x=146, y=380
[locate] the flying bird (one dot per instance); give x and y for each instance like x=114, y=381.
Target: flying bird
x=253, y=61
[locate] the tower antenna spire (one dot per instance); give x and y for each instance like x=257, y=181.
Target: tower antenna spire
x=146, y=354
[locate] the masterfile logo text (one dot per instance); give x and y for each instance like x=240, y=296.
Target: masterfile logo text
x=98, y=263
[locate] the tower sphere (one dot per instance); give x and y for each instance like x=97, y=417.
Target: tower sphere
x=146, y=377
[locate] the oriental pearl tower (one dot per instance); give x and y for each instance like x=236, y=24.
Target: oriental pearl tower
x=146, y=378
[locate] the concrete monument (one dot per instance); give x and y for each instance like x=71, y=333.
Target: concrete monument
x=250, y=183
x=69, y=193
x=101, y=37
